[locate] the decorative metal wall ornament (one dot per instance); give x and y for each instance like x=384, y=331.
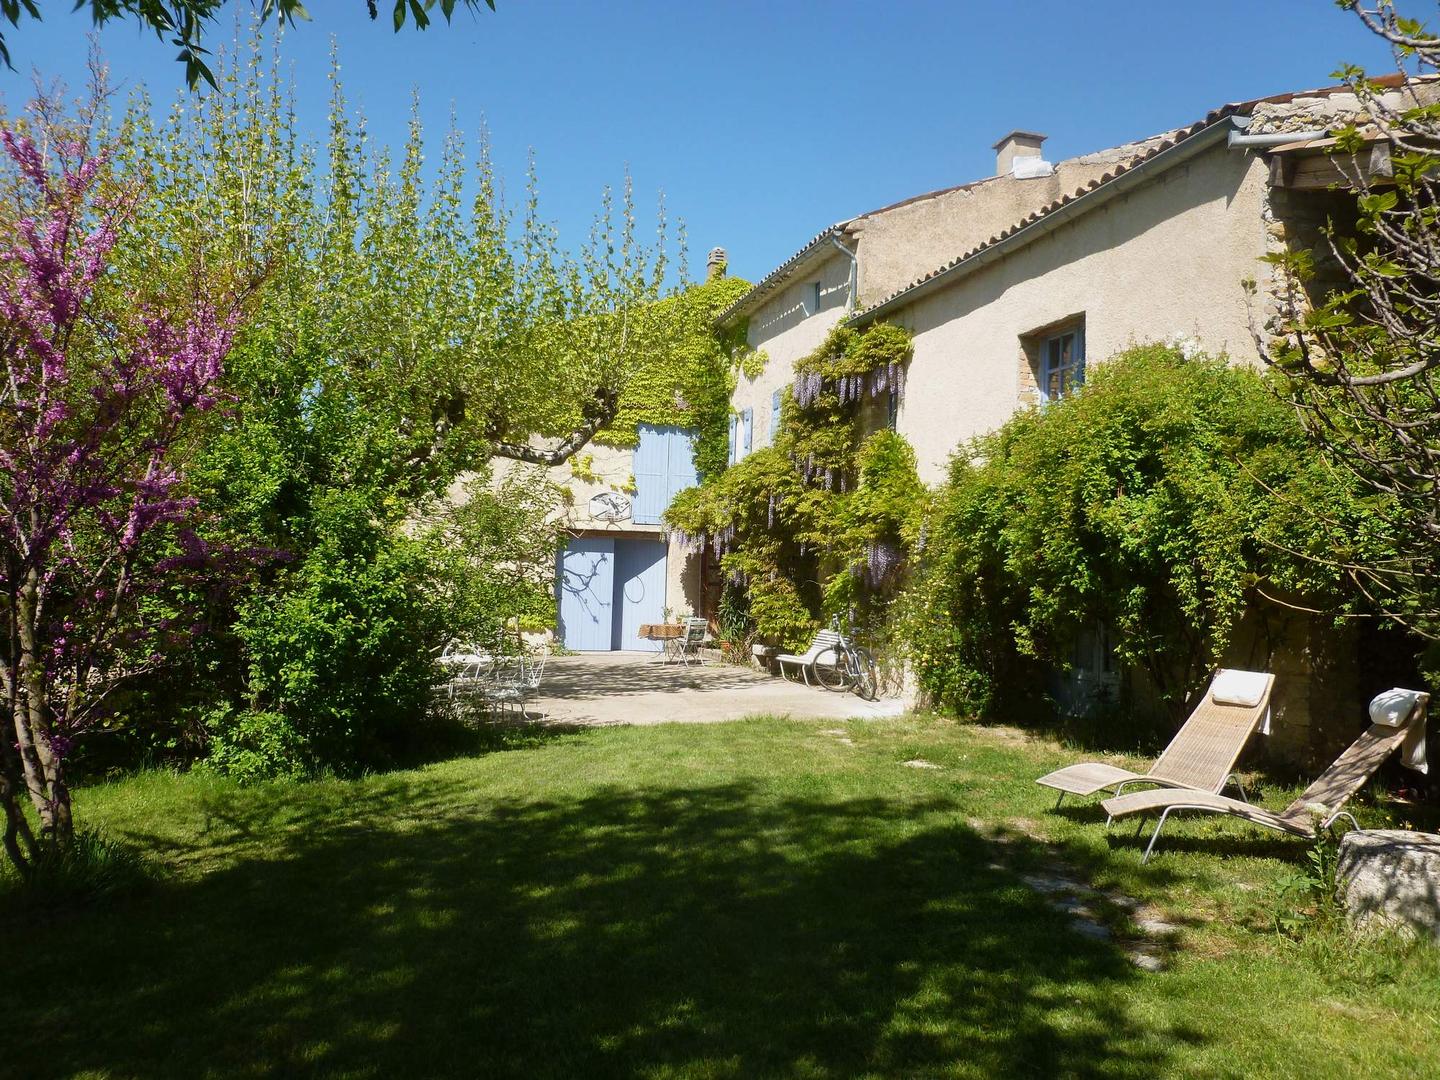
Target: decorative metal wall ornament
x=609, y=506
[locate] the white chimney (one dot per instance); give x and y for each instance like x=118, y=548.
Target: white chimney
x=1019, y=153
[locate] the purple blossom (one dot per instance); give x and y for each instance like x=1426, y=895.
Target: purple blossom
x=807, y=387
x=87, y=436
x=882, y=559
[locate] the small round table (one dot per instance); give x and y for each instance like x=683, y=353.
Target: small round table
x=669, y=635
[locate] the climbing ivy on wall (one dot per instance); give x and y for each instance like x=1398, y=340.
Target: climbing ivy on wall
x=823, y=503
x=688, y=382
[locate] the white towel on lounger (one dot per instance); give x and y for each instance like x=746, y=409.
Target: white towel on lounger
x=1392, y=708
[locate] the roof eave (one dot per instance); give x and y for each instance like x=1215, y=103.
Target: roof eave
x=1180, y=152
x=819, y=245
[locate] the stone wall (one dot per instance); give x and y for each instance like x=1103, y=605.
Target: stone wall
x=1316, y=706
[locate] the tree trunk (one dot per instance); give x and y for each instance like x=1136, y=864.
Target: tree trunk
x=41, y=765
x=19, y=842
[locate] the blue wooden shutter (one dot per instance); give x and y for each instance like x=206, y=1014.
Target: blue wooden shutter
x=733, y=420
x=664, y=467
x=747, y=432
x=681, y=468
x=651, y=463
x=774, y=415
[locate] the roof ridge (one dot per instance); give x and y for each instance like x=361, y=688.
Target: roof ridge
x=1166, y=140
x=1174, y=138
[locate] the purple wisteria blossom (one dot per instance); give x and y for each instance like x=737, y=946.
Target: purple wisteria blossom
x=850, y=389
x=882, y=560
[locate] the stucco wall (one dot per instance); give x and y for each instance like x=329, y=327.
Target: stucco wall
x=895, y=245
x=1165, y=259
x=612, y=468
x=786, y=328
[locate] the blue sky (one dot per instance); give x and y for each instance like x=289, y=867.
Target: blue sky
x=763, y=122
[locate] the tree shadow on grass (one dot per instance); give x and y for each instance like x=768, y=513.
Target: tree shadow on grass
x=714, y=932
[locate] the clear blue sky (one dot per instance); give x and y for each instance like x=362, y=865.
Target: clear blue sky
x=763, y=122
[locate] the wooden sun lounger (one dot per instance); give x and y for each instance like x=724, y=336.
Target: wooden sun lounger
x=1317, y=807
x=1202, y=754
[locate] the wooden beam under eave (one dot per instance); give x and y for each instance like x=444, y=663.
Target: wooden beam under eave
x=1323, y=171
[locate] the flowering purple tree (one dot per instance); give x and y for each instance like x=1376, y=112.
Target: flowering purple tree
x=99, y=387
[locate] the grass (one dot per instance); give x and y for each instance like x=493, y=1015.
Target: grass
x=733, y=900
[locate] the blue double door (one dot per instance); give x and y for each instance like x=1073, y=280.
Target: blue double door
x=608, y=587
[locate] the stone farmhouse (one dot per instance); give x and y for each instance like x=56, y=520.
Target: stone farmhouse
x=1011, y=285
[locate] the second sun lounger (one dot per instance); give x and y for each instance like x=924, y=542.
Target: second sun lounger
x=1202, y=754
x=1318, y=806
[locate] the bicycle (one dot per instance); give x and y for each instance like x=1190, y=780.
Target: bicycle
x=847, y=666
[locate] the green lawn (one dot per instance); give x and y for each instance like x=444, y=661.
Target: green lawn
x=735, y=900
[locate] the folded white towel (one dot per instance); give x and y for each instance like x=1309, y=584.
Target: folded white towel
x=1235, y=687
x=1392, y=708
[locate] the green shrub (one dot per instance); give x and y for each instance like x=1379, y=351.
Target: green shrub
x=1158, y=501
x=341, y=648
x=251, y=746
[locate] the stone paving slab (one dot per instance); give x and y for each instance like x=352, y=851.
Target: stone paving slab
x=635, y=688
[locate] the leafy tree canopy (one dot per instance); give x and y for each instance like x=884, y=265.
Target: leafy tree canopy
x=183, y=22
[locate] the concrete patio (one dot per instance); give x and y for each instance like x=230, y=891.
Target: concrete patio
x=635, y=688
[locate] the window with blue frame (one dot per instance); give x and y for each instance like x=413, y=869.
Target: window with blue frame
x=1062, y=363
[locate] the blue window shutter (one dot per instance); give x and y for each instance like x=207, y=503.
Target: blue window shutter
x=664, y=467
x=747, y=440
x=774, y=415
x=651, y=476
x=681, y=469
x=733, y=420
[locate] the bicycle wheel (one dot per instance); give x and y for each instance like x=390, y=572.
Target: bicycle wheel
x=833, y=669
x=867, y=679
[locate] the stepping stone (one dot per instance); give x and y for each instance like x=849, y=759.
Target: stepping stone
x=1091, y=929
x=1154, y=927
x=919, y=763
x=1144, y=957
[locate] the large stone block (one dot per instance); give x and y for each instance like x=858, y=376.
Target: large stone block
x=1391, y=877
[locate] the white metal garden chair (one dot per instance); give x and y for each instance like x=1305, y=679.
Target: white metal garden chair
x=514, y=682
x=687, y=645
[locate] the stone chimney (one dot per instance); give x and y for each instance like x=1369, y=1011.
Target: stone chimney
x=715, y=264
x=1018, y=144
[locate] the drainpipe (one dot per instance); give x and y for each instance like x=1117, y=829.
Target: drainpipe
x=854, y=272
